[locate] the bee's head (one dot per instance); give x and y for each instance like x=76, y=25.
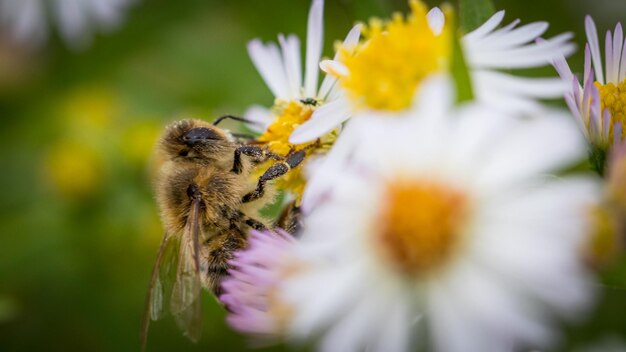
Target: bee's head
x=196, y=140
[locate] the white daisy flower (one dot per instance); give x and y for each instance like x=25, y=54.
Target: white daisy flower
x=432, y=236
x=295, y=98
x=599, y=104
x=28, y=20
x=281, y=69
x=384, y=70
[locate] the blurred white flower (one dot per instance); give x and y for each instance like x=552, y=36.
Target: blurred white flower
x=599, y=105
x=384, y=70
x=443, y=229
x=28, y=21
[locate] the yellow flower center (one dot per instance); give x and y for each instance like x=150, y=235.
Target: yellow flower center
x=613, y=98
x=420, y=225
x=290, y=115
x=393, y=58
x=604, y=243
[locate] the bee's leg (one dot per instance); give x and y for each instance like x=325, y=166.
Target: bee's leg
x=255, y=224
x=274, y=172
x=218, y=251
x=289, y=220
x=256, y=152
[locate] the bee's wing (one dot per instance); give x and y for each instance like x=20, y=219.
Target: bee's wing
x=160, y=283
x=185, y=302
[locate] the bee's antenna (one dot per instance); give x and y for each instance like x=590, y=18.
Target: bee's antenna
x=231, y=117
x=243, y=136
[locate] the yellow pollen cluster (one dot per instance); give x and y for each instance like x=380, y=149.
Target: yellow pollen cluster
x=613, y=98
x=420, y=225
x=290, y=114
x=604, y=242
x=388, y=65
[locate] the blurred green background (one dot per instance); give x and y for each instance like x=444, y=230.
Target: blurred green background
x=79, y=227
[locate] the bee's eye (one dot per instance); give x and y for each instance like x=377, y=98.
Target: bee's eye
x=197, y=135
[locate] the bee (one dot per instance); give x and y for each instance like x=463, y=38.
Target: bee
x=208, y=202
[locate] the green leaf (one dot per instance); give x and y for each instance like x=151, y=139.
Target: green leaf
x=460, y=72
x=473, y=13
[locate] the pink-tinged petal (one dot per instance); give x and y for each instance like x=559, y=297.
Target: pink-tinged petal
x=436, y=20
x=486, y=27
x=617, y=136
x=324, y=119
x=595, y=118
x=606, y=124
x=255, y=273
x=577, y=92
x=571, y=104
x=587, y=70
x=618, y=38
x=622, y=71
x=608, y=56
x=587, y=94
x=329, y=80
x=314, y=43
x=268, y=61
x=594, y=45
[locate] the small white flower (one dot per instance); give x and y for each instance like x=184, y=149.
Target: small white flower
x=443, y=227
x=488, y=50
x=599, y=105
x=281, y=68
x=27, y=20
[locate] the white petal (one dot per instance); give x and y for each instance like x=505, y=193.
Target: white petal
x=269, y=63
x=618, y=38
x=536, y=146
x=434, y=97
x=486, y=27
x=334, y=67
x=622, y=71
x=324, y=119
x=523, y=86
x=436, y=20
x=293, y=63
x=592, y=39
x=531, y=55
x=261, y=116
x=608, y=56
x=322, y=307
x=512, y=38
x=314, y=42
x=329, y=80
